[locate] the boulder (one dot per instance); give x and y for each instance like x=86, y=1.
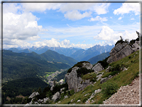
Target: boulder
x=99, y=76
x=87, y=65
x=56, y=96
x=33, y=94
x=61, y=82
x=98, y=67
x=45, y=100
x=77, y=83
x=108, y=69
x=40, y=100
x=103, y=80
x=65, y=96
x=62, y=89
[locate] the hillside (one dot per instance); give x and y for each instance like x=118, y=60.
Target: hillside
x=97, y=58
x=25, y=65
x=93, y=84
x=22, y=87
x=121, y=78
x=50, y=55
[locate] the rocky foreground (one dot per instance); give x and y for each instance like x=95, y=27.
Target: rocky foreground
x=128, y=94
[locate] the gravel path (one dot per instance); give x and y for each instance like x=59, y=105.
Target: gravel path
x=126, y=94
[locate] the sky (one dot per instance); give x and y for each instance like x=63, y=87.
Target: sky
x=79, y=25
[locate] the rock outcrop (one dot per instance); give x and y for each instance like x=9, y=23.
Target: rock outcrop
x=123, y=49
x=77, y=83
x=98, y=67
x=56, y=96
x=33, y=94
x=74, y=82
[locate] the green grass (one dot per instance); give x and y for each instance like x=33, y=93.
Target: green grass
x=121, y=79
x=91, y=76
x=48, y=73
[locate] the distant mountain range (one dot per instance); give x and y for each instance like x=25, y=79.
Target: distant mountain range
x=25, y=65
x=76, y=53
x=85, y=55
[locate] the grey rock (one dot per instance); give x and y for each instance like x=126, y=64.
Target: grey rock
x=71, y=100
x=124, y=69
x=78, y=100
x=98, y=67
x=97, y=91
x=33, y=94
x=65, y=96
x=52, y=87
x=136, y=46
x=92, y=95
x=108, y=69
x=56, y=96
x=127, y=50
x=46, y=99
x=62, y=89
x=87, y=65
x=103, y=80
x=74, y=82
x=40, y=100
x=61, y=82
x=86, y=94
x=99, y=76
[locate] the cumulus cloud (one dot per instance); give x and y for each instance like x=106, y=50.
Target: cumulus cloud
x=69, y=9
x=111, y=36
x=101, y=8
x=132, y=19
x=65, y=43
x=19, y=26
x=76, y=15
x=98, y=18
x=50, y=43
x=127, y=8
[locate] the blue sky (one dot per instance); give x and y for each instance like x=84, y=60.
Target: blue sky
x=80, y=25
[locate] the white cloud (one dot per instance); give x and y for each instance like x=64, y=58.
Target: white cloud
x=75, y=15
x=98, y=18
x=101, y=8
x=132, y=19
x=119, y=18
x=110, y=36
x=65, y=43
x=40, y=7
x=69, y=9
x=19, y=26
x=127, y=8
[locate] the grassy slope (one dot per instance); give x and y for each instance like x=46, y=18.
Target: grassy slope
x=122, y=79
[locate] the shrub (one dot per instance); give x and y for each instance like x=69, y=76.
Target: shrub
x=91, y=76
x=104, y=62
x=109, y=88
x=83, y=71
x=119, y=41
x=132, y=42
x=79, y=64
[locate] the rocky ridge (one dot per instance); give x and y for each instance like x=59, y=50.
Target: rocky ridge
x=77, y=83
x=123, y=49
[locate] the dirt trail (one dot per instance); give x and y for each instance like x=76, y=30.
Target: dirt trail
x=128, y=94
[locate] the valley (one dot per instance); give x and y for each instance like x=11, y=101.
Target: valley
x=59, y=79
